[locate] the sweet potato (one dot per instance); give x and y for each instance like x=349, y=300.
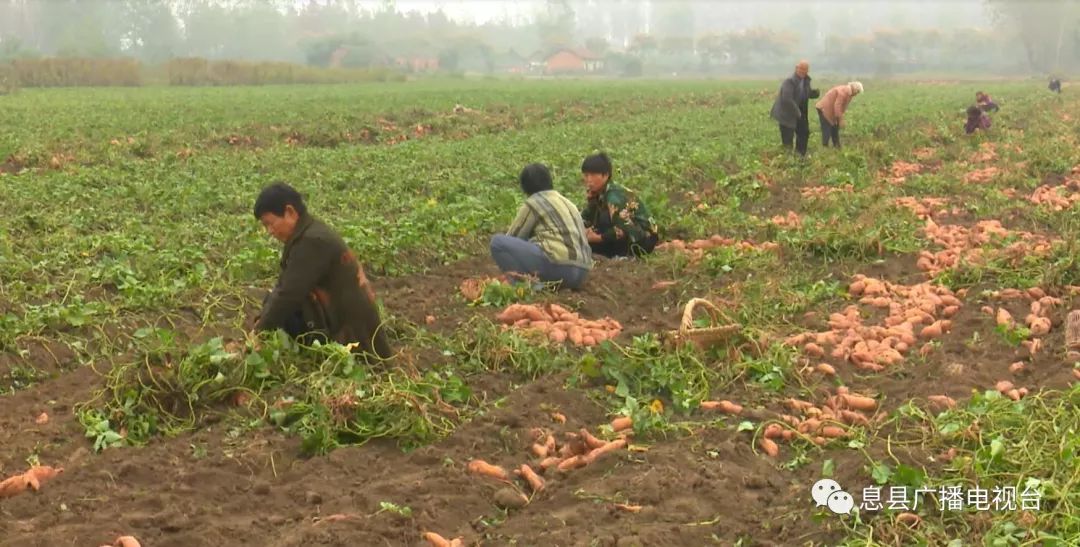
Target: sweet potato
x=1017, y=367
x=809, y=425
x=769, y=446
x=576, y=335
x=773, y=431
x=832, y=431
x=557, y=335
x=591, y=441
x=539, y=450
x=813, y=350
x=550, y=461
x=480, y=467
x=571, y=463
x=1003, y=386
x=608, y=448
x=126, y=541
x=727, y=407
x=853, y=418
x=942, y=401
x=787, y=434
x=1041, y=326
x=588, y=340
x=932, y=331
x=628, y=508
x=42, y=419
x=909, y=519
x=1013, y=394
x=798, y=405
x=438, y=541
x=621, y=423
x=1076, y=374
x=530, y=476
x=15, y=485
x=558, y=417
x=858, y=402
x=1003, y=317
x=826, y=369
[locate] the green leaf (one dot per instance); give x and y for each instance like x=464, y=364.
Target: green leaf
x=997, y=447
x=881, y=473
x=827, y=468
x=745, y=426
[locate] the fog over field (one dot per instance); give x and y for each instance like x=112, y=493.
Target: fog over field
x=633, y=38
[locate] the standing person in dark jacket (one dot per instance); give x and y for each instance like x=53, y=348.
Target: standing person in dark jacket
x=1055, y=85
x=791, y=107
x=618, y=223
x=322, y=292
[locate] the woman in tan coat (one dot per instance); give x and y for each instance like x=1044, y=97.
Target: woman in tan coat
x=831, y=109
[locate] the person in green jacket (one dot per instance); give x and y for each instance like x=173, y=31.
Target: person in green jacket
x=618, y=223
x=322, y=293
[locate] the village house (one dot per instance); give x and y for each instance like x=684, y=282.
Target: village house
x=564, y=61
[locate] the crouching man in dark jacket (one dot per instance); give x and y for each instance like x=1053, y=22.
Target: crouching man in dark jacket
x=322, y=293
x=790, y=108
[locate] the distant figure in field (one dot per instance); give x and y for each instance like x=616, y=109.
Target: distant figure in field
x=618, y=223
x=1055, y=85
x=322, y=292
x=976, y=119
x=547, y=237
x=985, y=103
x=831, y=109
x=790, y=108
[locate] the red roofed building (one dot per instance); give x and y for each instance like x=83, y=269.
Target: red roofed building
x=573, y=61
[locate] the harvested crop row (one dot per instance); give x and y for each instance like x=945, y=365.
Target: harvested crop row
x=926, y=208
x=819, y=424
x=915, y=312
x=1062, y=197
x=696, y=249
x=899, y=171
x=980, y=176
x=576, y=450
x=791, y=220
x=560, y=324
x=823, y=191
x=965, y=245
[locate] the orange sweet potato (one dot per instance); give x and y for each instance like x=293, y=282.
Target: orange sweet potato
x=530, y=476
x=769, y=446
x=608, y=448
x=727, y=407
x=621, y=423
x=480, y=467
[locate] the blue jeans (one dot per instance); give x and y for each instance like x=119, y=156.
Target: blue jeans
x=520, y=256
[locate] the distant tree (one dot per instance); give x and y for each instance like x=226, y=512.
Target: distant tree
x=597, y=45
x=644, y=44
x=1042, y=27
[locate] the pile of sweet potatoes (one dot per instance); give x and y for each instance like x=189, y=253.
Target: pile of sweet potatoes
x=916, y=313
x=818, y=424
x=696, y=249
x=925, y=208
x=964, y=245
x=560, y=324
x=899, y=171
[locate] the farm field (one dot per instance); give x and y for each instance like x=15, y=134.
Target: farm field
x=903, y=305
